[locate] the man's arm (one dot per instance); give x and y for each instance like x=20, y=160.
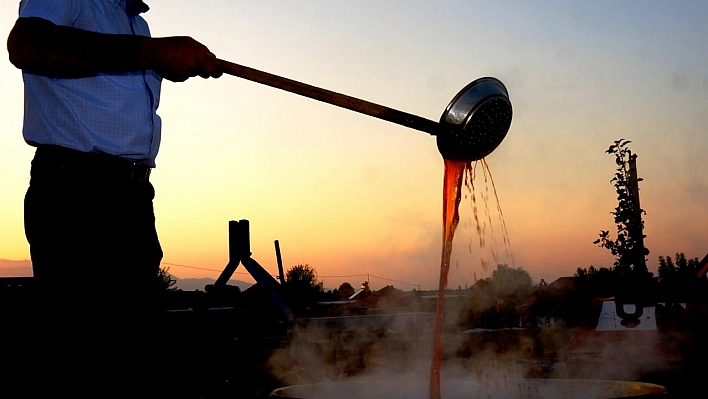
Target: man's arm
x=39, y=46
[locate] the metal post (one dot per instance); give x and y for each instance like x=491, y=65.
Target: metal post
x=239, y=239
x=280, y=262
x=267, y=281
x=239, y=248
x=240, y=253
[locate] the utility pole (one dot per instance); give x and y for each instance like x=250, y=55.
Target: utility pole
x=637, y=233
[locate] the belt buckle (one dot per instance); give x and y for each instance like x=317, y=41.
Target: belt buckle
x=140, y=172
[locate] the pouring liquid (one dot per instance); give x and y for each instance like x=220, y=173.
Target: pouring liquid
x=484, y=223
x=452, y=187
x=457, y=172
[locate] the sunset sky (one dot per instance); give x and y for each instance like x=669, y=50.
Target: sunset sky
x=352, y=195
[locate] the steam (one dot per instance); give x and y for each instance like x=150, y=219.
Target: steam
x=339, y=348
x=622, y=351
x=388, y=356
x=391, y=355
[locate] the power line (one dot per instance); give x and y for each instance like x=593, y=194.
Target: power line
x=198, y=268
x=345, y=276
x=395, y=281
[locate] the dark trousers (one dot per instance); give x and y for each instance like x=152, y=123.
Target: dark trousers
x=95, y=255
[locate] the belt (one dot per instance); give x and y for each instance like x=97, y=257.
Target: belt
x=92, y=164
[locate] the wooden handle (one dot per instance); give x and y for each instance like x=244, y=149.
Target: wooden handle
x=330, y=97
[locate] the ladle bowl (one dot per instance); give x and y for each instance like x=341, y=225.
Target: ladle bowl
x=473, y=387
x=476, y=121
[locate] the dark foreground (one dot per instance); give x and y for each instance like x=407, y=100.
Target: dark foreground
x=215, y=350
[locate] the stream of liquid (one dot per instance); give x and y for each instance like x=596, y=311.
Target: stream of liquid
x=452, y=188
x=457, y=172
x=485, y=225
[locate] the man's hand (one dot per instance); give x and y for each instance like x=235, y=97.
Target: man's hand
x=179, y=58
x=39, y=46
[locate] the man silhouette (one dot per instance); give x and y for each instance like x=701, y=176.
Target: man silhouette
x=92, y=77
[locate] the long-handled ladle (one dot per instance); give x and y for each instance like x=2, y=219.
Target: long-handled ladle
x=471, y=127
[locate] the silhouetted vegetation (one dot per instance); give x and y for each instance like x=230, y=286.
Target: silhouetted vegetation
x=628, y=247
x=678, y=273
x=677, y=281
x=678, y=278
x=303, y=276
x=165, y=281
x=602, y=282
x=302, y=288
x=344, y=291
x=494, y=302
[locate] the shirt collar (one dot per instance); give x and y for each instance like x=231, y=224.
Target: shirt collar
x=132, y=7
x=137, y=7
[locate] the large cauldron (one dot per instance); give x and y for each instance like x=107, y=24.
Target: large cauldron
x=473, y=388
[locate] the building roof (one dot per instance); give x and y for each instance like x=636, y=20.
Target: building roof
x=703, y=265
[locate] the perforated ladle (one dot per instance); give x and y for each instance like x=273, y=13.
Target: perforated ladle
x=471, y=127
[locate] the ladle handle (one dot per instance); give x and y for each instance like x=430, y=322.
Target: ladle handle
x=330, y=97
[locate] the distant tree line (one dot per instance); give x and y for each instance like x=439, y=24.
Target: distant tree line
x=677, y=280
x=304, y=290
x=495, y=302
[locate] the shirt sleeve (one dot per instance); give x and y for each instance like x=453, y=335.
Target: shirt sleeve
x=60, y=12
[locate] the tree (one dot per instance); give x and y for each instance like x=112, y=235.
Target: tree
x=511, y=281
x=628, y=247
x=666, y=270
x=164, y=280
x=494, y=301
x=677, y=275
x=345, y=290
x=302, y=287
x=602, y=282
x=303, y=276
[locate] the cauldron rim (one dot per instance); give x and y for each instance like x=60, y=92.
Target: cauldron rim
x=616, y=389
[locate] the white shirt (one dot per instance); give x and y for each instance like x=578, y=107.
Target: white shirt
x=111, y=113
